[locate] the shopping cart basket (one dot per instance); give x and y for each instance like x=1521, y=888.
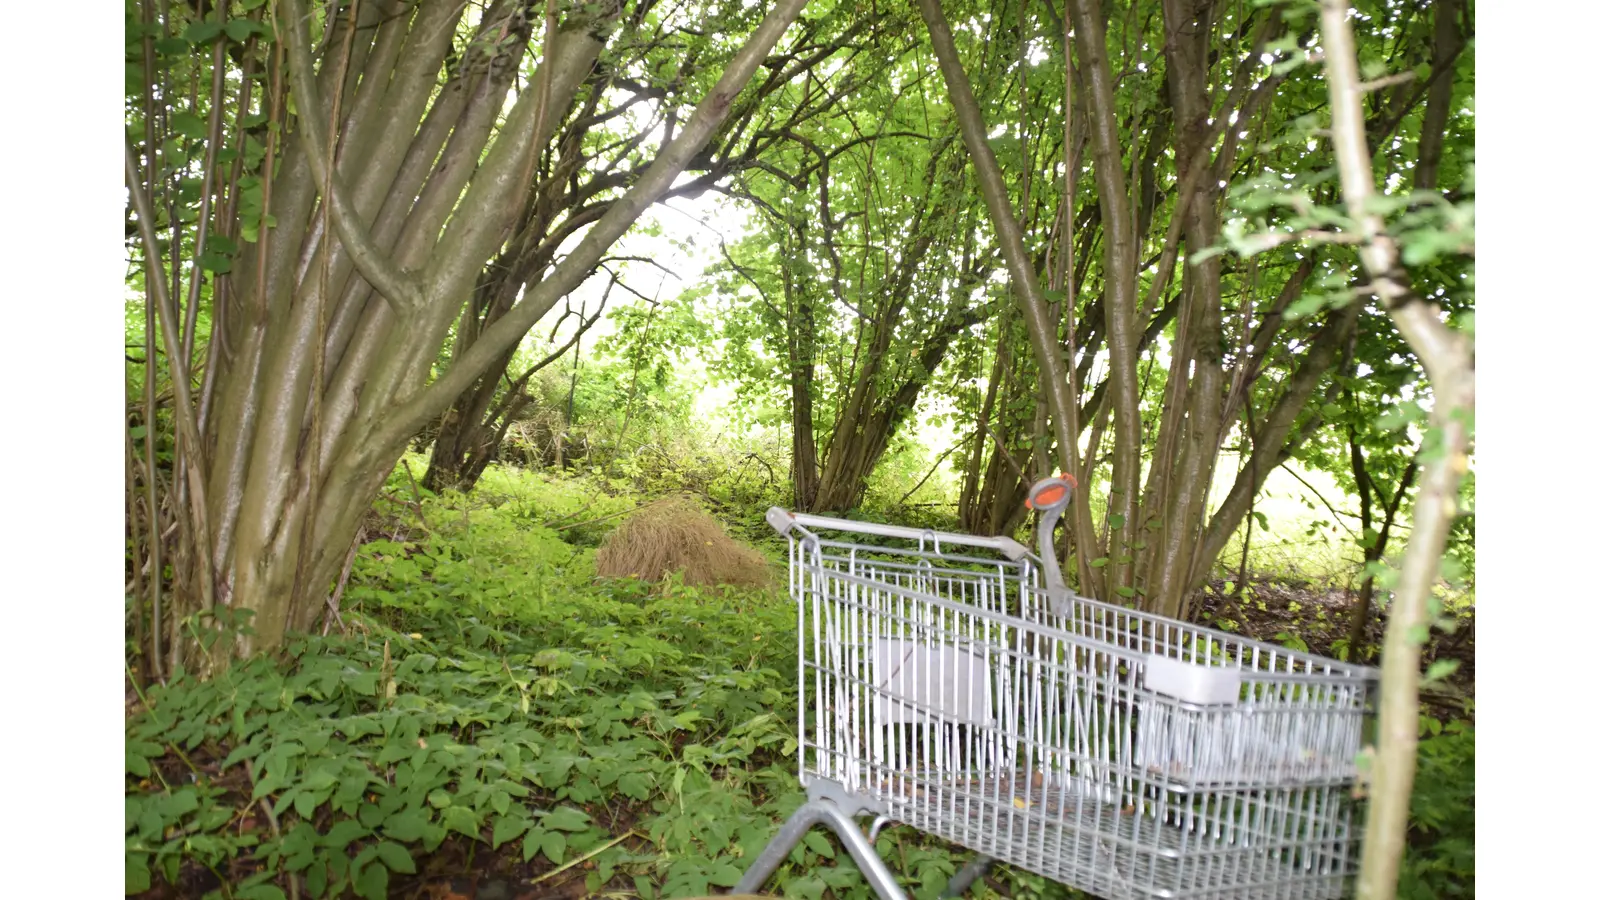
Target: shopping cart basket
x=1125, y=754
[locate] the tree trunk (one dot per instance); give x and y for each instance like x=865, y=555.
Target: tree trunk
x=1195, y=413
x=333, y=342
x=1447, y=357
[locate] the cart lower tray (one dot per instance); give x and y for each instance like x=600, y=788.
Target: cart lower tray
x=1119, y=851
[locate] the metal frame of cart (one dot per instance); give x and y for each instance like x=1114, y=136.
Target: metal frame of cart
x=944, y=687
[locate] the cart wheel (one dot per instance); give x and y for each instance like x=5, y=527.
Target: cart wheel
x=966, y=878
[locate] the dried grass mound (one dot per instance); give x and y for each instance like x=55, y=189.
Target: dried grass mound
x=678, y=536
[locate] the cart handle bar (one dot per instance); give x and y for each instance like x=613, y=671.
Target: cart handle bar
x=782, y=521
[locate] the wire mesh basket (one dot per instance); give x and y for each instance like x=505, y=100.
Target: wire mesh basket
x=1121, y=753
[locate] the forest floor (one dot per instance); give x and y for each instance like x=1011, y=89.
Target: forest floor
x=655, y=731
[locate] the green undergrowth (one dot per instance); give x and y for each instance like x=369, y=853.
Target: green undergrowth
x=1439, y=861
x=490, y=708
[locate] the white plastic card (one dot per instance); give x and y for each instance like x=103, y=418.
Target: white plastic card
x=950, y=681
x=1204, y=685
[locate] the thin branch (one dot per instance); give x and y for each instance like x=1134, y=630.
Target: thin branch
x=183, y=407
x=1338, y=516
x=413, y=413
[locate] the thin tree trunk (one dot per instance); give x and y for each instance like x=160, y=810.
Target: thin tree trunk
x=1120, y=272
x=1447, y=358
x=1183, y=499
x=1024, y=279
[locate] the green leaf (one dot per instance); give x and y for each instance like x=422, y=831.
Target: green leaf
x=182, y=803
x=1305, y=306
x=531, y=842
x=239, y=30
x=373, y=882
x=554, y=846
x=135, y=874
x=635, y=785
x=342, y=833
x=264, y=891
x=201, y=32
x=438, y=798
x=172, y=46
x=723, y=875
x=1440, y=670
x=462, y=820
x=1115, y=521
x=396, y=857
x=508, y=828
x=306, y=803
x=406, y=825
x=567, y=818
x=1100, y=563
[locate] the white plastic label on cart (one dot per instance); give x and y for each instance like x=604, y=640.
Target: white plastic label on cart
x=1189, y=682
x=941, y=680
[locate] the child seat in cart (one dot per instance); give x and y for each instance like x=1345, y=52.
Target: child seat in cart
x=945, y=685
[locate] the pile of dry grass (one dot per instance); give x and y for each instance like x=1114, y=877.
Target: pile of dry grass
x=678, y=536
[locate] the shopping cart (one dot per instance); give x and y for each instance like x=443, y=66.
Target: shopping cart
x=942, y=686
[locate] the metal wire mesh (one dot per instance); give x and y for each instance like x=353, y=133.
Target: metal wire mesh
x=1118, y=752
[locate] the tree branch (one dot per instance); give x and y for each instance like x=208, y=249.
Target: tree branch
x=399, y=288
x=414, y=413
